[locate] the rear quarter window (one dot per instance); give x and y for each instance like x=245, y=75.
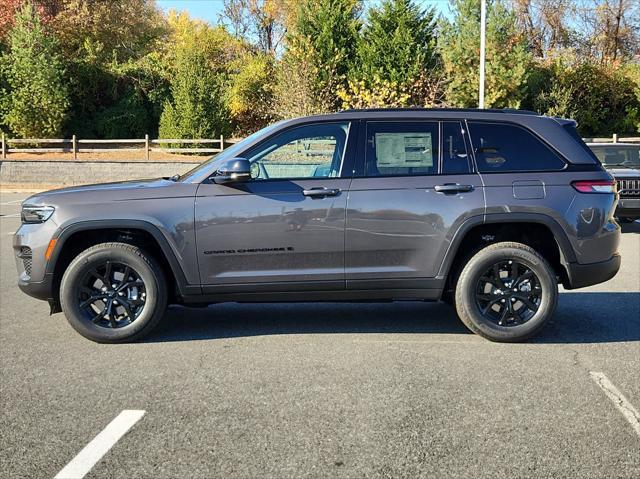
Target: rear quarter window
x=503, y=147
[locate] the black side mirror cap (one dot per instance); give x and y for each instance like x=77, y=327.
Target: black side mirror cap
x=233, y=171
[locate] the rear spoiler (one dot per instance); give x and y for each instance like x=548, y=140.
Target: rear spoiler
x=566, y=122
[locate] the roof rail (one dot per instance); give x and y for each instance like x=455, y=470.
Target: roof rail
x=485, y=110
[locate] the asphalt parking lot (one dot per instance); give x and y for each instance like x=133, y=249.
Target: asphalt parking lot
x=317, y=390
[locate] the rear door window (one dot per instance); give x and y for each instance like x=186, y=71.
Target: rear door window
x=503, y=147
x=401, y=148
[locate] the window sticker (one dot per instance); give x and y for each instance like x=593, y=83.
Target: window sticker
x=404, y=150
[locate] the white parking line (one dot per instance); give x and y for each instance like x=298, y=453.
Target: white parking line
x=14, y=202
x=13, y=215
x=100, y=445
x=622, y=403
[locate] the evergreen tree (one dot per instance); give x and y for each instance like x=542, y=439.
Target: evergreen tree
x=397, y=60
x=398, y=44
x=323, y=44
x=507, y=57
x=36, y=102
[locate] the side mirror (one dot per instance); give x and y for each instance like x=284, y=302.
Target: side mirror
x=232, y=171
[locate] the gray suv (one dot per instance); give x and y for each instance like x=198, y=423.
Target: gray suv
x=485, y=209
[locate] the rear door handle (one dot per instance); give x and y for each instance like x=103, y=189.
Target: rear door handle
x=453, y=188
x=321, y=192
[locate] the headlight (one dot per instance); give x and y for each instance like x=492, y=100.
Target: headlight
x=36, y=214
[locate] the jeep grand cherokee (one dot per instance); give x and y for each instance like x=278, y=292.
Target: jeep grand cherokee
x=485, y=209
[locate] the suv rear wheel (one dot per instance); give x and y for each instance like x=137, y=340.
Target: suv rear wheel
x=113, y=292
x=506, y=292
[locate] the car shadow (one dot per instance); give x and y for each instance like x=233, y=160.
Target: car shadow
x=581, y=317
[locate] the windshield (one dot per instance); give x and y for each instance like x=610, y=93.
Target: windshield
x=228, y=153
x=623, y=156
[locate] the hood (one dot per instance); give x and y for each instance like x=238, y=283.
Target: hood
x=624, y=172
x=115, y=186
x=113, y=192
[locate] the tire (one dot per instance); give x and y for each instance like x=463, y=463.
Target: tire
x=478, y=292
x=143, y=291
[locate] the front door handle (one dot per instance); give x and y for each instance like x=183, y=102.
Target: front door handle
x=453, y=188
x=321, y=192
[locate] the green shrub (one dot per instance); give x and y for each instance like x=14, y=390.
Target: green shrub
x=601, y=98
x=36, y=102
x=197, y=108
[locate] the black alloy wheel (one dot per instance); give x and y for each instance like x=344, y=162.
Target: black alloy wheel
x=112, y=295
x=508, y=293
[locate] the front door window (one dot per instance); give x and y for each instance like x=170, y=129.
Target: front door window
x=306, y=152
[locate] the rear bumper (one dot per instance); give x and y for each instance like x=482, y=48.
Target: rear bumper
x=581, y=275
x=628, y=208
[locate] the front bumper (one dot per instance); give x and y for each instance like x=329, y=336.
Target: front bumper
x=38, y=289
x=581, y=275
x=628, y=208
x=30, y=243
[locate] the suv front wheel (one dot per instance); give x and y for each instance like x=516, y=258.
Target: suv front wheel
x=113, y=292
x=506, y=292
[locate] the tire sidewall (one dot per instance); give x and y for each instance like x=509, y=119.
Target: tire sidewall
x=76, y=272
x=478, y=266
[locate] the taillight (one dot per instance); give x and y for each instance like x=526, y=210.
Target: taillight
x=595, y=186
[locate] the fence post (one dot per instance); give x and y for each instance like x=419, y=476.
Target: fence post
x=221, y=142
x=615, y=138
x=74, y=147
x=146, y=146
x=4, y=148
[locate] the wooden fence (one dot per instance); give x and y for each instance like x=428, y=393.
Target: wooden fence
x=74, y=145
x=614, y=139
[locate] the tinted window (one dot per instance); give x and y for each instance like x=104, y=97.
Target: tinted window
x=310, y=151
x=501, y=147
x=401, y=148
x=454, y=152
x=571, y=129
x=618, y=155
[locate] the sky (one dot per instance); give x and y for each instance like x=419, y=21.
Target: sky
x=210, y=10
